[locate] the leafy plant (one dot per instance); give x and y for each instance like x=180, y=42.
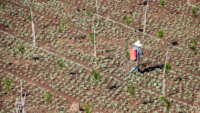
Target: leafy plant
x=29, y=14
x=161, y=33
x=162, y=3
x=63, y=25
x=89, y=13
x=96, y=75
x=48, y=96
x=60, y=63
x=194, y=12
x=68, y=2
x=91, y=37
x=131, y=89
x=167, y=68
x=87, y=108
x=165, y=100
x=8, y=83
x=21, y=48
x=126, y=50
x=127, y=19
x=193, y=46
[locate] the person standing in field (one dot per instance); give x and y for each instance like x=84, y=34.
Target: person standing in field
x=139, y=51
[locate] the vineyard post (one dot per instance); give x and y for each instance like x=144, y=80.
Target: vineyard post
x=145, y=17
x=33, y=31
x=164, y=71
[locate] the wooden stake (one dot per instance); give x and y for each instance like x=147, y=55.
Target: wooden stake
x=33, y=31
x=145, y=17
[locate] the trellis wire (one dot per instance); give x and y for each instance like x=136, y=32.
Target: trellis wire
x=190, y=4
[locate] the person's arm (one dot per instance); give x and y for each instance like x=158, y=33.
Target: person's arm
x=140, y=51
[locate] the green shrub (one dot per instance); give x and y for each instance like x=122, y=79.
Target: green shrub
x=96, y=75
x=162, y=3
x=2, y=4
x=167, y=68
x=21, y=48
x=8, y=83
x=48, y=96
x=60, y=63
x=68, y=2
x=161, y=33
x=127, y=19
x=87, y=108
x=193, y=46
x=194, y=12
x=131, y=89
x=89, y=13
x=165, y=100
x=91, y=37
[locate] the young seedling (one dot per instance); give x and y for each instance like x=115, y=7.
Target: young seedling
x=68, y=2
x=21, y=48
x=131, y=89
x=63, y=25
x=87, y=108
x=89, y=13
x=165, y=100
x=91, y=37
x=193, y=46
x=167, y=68
x=48, y=96
x=60, y=63
x=96, y=75
x=162, y=3
x=161, y=33
x=194, y=12
x=8, y=83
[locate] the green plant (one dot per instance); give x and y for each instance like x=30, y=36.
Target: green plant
x=126, y=50
x=68, y=2
x=167, y=68
x=162, y=3
x=127, y=20
x=91, y=37
x=29, y=14
x=60, y=63
x=48, y=96
x=87, y=108
x=63, y=25
x=165, y=100
x=131, y=89
x=2, y=4
x=21, y=48
x=194, y=12
x=89, y=13
x=96, y=75
x=193, y=46
x=8, y=83
x=161, y=33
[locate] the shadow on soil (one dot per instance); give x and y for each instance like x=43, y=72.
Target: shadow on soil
x=152, y=68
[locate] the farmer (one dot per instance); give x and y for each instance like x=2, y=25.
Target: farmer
x=139, y=51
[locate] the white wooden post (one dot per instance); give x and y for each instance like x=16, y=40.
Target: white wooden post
x=33, y=31
x=164, y=72
x=96, y=7
x=145, y=17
